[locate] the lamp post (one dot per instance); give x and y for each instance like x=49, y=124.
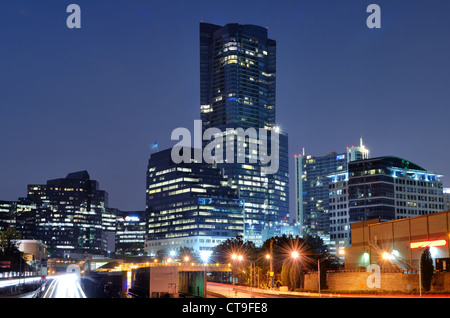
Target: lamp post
x=420, y=274
x=391, y=256
x=237, y=257
x=318, y=269
x=270, y=278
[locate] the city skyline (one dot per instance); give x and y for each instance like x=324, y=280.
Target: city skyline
x=77, y=99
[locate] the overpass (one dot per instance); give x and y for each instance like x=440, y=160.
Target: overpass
x=119, y=265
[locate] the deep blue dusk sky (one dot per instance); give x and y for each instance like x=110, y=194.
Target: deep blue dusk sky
x=96, y=98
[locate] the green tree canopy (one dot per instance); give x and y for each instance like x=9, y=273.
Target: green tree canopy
x=9, y=249
x=427, y=268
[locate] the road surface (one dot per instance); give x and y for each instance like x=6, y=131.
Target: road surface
x=63, y=286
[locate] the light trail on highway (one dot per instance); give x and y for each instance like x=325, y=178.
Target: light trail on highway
x=18, y=281
x=64, y=286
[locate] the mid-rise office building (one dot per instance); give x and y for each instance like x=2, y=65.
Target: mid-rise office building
x=338, y=211
x=446, y=192
x=384, y=188
x=189, y=205
x=109, y=228
x=389, y=188
x=7, y=210
x=238, y=90
x=130, y=233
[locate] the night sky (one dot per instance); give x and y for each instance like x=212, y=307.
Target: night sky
x=98, y=97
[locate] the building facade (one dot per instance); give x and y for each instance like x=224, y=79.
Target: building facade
x=130, y=233
x=338, y=211
x=389, y=188
x=384, y=188
x=312, y=184
x=70, y=213
x=321, y=187
x=189, y=205
x=238, y=90
x=399, y=243
x=7, y=217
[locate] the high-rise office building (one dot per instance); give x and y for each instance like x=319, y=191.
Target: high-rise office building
x=313, y=190
x=7, y=217
x=70, y=220
x=189, y=205
x=313, y=195
x=238, y=90
x=339, y=230
x=357, y=153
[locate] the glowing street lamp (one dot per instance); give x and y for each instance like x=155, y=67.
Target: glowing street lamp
x=237, y=257
x=294, y=254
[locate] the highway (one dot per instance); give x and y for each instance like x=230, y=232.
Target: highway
x=62, y=286
x=235, y=291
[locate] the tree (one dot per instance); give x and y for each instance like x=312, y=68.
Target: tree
x=285, y=273
x=9, y=249
x=426, y=268
x=311, y=249
x=294, y=276
x=223, y=252
x=187, y=254
x=241, y=267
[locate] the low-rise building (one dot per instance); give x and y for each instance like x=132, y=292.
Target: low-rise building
x=399, y=244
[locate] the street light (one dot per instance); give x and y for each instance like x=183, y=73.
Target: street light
x=269, y=258
x=386, y=256
x=237, y=257
x=318, y=269
x=394, y=254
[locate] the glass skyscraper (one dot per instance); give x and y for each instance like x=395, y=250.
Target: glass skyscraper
x=318, y=201
x=238, y=90
x=313, y=190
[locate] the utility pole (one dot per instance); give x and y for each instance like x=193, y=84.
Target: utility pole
x=271, y=264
